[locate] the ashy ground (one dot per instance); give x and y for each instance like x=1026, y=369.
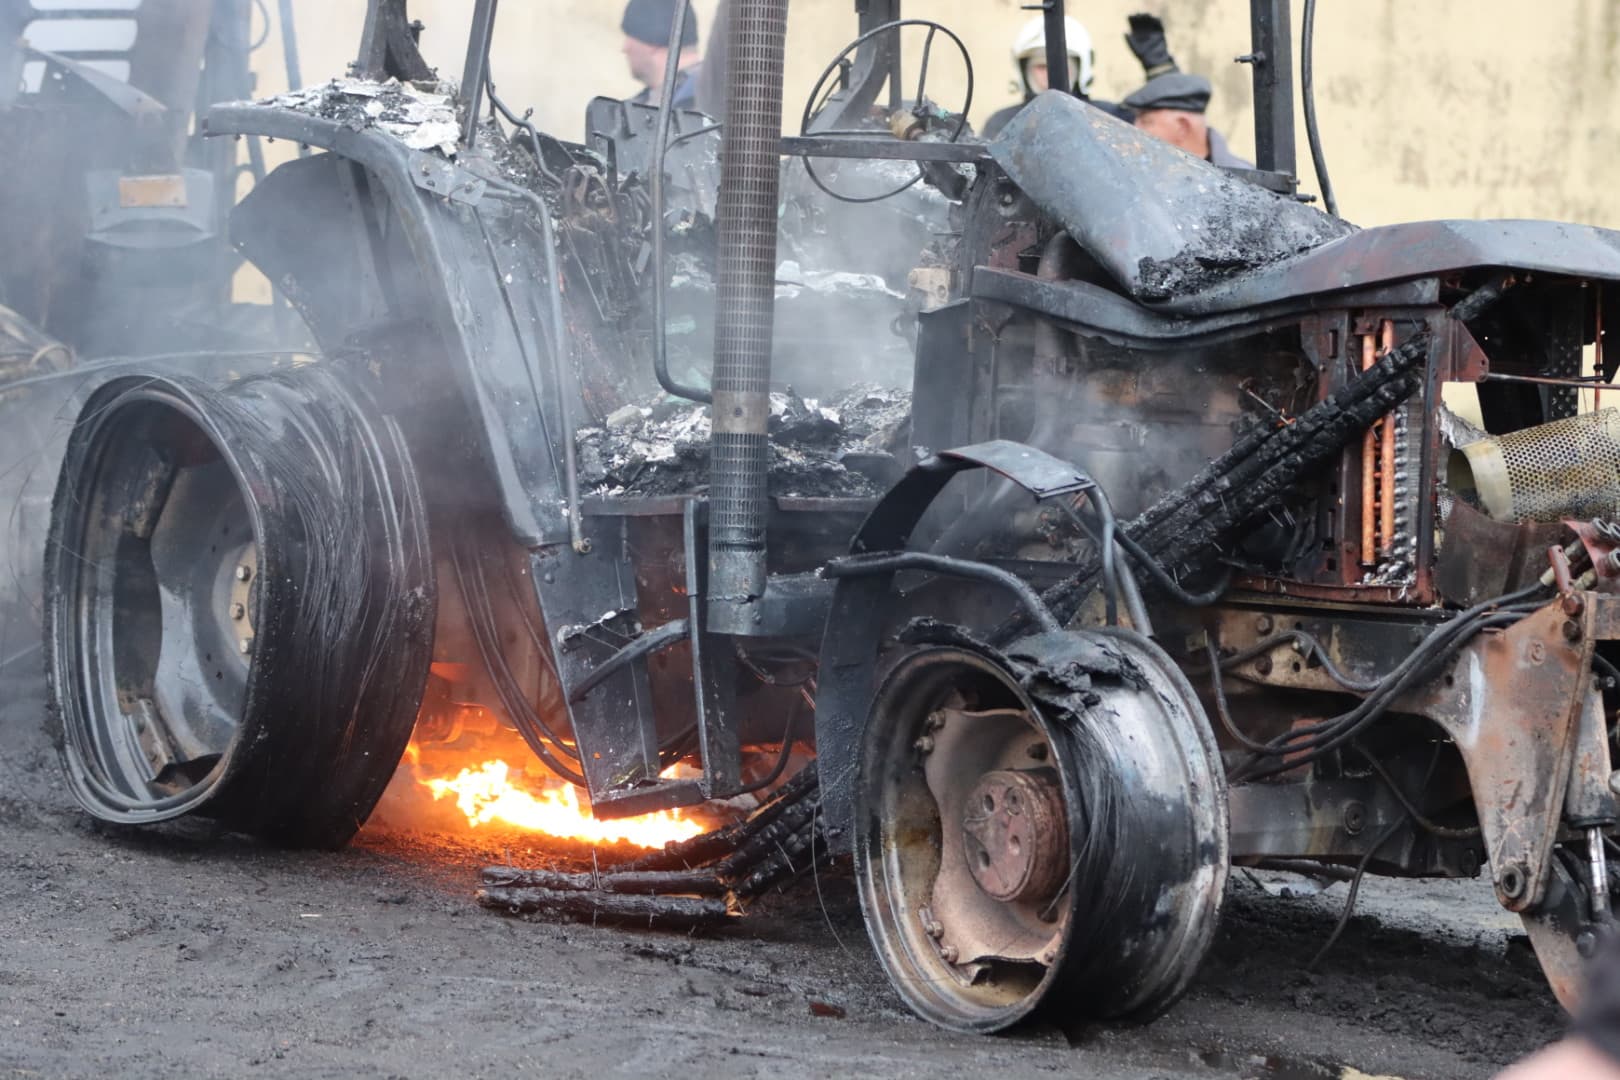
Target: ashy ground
x=179, y=952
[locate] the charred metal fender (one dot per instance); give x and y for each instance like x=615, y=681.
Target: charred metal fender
x=489, y=339
x=855, y=622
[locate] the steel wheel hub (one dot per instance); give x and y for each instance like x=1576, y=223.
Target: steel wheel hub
x=1016, y=835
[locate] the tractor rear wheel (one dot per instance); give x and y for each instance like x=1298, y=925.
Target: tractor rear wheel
x=239, y=604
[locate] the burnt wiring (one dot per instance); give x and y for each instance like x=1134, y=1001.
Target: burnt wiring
x=815, y=102
x=806, y=686
x=1361, y=870
x=522, y=123
x=1223, y=713
x=1311, y=651
x=547, y=745
x=1116, y=575
x=1355, y=889
x=1164, y=580
x=1103, y=534
x=704, y=880
x=1193, y=525
x=1312, y=741
x=643, y=646
x=783, y=756
x=1445, y=832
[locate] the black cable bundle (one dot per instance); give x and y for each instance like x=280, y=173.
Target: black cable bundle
x=1187, y=529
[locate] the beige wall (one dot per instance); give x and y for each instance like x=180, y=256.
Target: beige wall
x=1429, y=108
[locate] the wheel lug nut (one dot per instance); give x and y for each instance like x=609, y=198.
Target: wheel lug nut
x=925, y=744
x=243, y=572
x=948, y=953
x=245, y=645
x=238, y=612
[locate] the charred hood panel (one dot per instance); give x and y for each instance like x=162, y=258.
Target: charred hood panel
x=1186, y=238
x=1161, y=222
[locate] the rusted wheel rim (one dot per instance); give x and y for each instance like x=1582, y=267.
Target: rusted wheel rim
x=1009, y=858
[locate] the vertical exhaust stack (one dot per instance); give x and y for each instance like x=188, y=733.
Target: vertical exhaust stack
x=744, y=311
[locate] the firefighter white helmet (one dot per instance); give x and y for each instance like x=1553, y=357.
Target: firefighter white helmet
x=1031, y=43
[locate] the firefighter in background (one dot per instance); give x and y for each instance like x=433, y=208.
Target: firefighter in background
x=1171, y=104
x=1029, y=54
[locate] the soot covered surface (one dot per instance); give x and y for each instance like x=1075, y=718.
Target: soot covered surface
x=818, y=448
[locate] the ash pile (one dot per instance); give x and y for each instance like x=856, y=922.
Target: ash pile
x=845, y=446
x=421, y=115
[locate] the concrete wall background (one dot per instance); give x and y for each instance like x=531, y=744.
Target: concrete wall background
x=1444, y=108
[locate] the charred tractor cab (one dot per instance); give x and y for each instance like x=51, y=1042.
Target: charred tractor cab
x=1164, y=551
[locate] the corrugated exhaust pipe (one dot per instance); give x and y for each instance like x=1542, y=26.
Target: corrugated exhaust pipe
x=744, y=311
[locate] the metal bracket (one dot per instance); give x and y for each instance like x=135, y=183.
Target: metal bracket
x=444, y=178
x=719, y=739
x=388, y=45
x=1038, y=472
x=1513, y=707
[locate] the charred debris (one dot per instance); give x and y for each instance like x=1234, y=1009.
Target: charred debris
x=847, y=446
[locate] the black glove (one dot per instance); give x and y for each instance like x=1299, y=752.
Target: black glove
x=1146, y=40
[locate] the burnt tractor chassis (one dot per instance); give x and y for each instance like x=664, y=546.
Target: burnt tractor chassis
x=1185, y=563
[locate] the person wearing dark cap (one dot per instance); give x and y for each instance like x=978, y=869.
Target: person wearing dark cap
x=646, y=26
x=1171, y=104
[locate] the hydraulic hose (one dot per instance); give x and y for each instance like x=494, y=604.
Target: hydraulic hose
x=1307, y=85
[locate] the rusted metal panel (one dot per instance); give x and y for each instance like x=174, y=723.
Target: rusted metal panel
x=1589, y=800
x=1603, y=616
x=1518, y=555
x=167, y=190
x=1512, y=702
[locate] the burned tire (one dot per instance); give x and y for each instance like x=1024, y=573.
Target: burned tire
x=1041, y=829
x=239, y=604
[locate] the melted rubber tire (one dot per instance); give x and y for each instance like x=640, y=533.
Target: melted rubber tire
x=274, y=533
x=1148, y=845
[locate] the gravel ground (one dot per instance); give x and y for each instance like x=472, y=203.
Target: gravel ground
x=180, y=951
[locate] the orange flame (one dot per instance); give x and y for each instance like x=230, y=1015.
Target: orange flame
x=486, y=794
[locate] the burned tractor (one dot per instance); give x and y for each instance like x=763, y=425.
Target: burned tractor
x=1179, y=559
